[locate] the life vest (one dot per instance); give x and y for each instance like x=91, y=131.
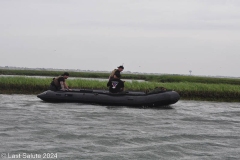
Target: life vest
x=112, y=74
x=55, y=81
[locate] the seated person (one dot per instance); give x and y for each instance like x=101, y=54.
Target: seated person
x=115, y=84
x=59, y=83
x=116, y=71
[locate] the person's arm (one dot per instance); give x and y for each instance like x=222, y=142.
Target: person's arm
x=62, y=85
x=66, y=86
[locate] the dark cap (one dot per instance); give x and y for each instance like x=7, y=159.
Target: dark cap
x=65, y=74
x=120, y=67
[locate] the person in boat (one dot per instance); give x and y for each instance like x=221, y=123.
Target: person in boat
x=115, y=84
x=116, y=72
x=59, y=83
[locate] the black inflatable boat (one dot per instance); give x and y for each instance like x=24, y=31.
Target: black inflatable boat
x=104, y=97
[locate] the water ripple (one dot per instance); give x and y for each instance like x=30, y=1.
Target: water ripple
x=186, y=130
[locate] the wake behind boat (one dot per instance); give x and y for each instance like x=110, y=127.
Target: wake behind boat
x=131, y=98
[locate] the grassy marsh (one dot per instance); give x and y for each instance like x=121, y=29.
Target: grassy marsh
x=187, y=90
x=150, y=78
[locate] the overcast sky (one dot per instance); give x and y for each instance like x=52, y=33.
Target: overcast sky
x=153, y=36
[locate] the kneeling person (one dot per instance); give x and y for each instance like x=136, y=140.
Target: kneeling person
x=59, y=83
x=115, y=84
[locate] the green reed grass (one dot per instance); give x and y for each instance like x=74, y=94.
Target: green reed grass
x=150, y=78
x=187, y=90
x=195, y=79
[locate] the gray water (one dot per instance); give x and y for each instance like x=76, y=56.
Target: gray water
x=186, y=130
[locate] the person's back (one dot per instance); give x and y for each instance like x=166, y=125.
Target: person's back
x=116, y=72
x=112, y=74
x=115, y=85
x=55, y=84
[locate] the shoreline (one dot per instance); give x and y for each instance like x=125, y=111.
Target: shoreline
x=182, y=97
x=187, y=90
